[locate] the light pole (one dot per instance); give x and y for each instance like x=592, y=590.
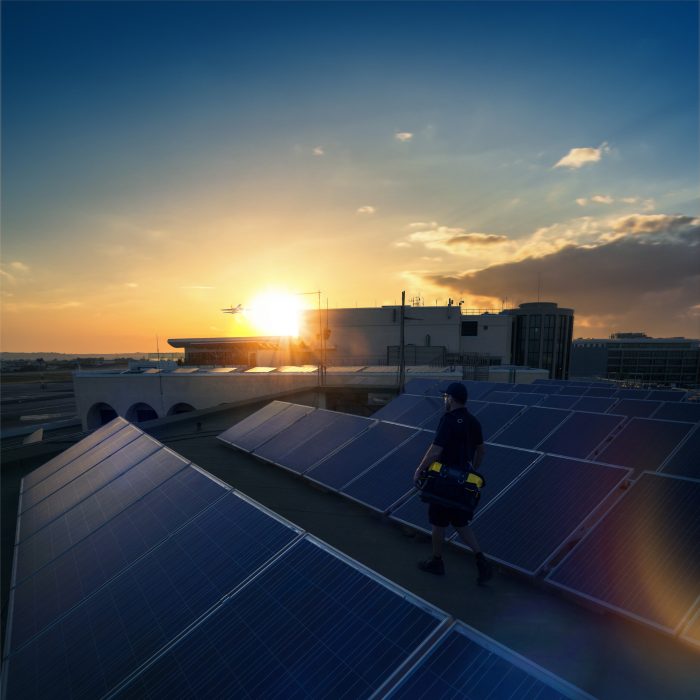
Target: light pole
x=321, y=339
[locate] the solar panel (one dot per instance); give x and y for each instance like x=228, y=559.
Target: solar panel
x=397, y=406
x=428, y=387
x=641, y=408
x=683, y=411
x=254, y=420
x=644, y=443
x=541, y=511
x=685, y=461
x=466, y=664
x=580, y=434
x=77, y=523
x=312, y=625
x=360, y=454
x=391, y=479
x=501, y=466
x=475, y=407
x=643, y=558
x=275, y=424
x=43, y=597
x=667, y=395
x=79, y=466
x=557, y=401
x=533, y=399
x=427, y=409
x=343, y=429
x=59, y=461
x=631, y=394
x=691, y=633
x=605, y=391
x=85, y=485
x=525, y=388
x=594, y=404
x=495, y=416
x=499, y=396
x=478, y=390
x=531, y=427
x=573, y=390
x=100, y=642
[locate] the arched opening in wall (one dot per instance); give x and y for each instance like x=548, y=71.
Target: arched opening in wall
x=140, y=412
x=100, y=414
x=180, y=408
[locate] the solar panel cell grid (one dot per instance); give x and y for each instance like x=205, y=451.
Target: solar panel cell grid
x=643, y=558
x=253, y=421
x=397, y=406
x=635, y=407
x=537, y=515
x=495, y=416
x=427, y=408
x=252, y=439
x=580, y=434
x=87, y=516
x=77, y=573
x=533, y=399
x=679, y=410
x=531, y=427
x=72, y=452
x=691, y=633
x=311, y=625
x=97, y=644
x=557, y=401
x=685, y=461
x=594, y=404
x=356, y=457
x=644, y=443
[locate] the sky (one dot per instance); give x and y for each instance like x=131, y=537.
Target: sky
x=164, y=160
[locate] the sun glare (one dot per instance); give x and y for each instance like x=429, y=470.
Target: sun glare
x=276, y=313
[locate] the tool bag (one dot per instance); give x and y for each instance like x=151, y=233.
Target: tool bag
x=451, y=486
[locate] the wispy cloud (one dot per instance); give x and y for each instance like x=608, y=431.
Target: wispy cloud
x=422, y=225
x=366, y=210
x=403, y=136
x=15, y=273
x=22, y=306
x=453, y=239
x=19, y=266
x=646, y=204
x=318, y=151
x=578, y=157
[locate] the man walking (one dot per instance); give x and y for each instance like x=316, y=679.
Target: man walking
x=458, y=441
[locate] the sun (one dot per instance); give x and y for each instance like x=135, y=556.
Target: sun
x=276, y=313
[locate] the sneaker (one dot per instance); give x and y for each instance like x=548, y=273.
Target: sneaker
x=485, y=569
x=432, y=566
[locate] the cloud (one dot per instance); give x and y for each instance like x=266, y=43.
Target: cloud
x=646, y=277
x=19, y=266
x=582, y=201
x=403, y=136
x=602, y=199
x=131, y=285
x=318, y=151
x=454, y=240
x=402, y=244
x=366, y=210
x=578, y=157
x=422, y=224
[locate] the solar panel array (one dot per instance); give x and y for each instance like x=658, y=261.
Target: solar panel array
x=186, y=588
x=552, y=469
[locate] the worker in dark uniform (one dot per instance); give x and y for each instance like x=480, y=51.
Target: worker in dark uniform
x=458, y=441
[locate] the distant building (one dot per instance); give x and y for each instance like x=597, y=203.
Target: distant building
x=634, y=357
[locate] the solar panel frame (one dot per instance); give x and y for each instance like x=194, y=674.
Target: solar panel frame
x=636, y=408
x=575, y=423
x=558, y=401
x=594, y=404
x=601, y=391
x=531, y=427
x=631, y=394
x=513, y=511
x=384, y=437
x=691, y=632
x=655, y=440
x=356, y=616
x=393, y=410
x=252, y=421
x=667, y=395
x=496, y=416
x=685, y=459
x=679, y=411
x=59, y=461
x=465, y=677
x=256, y=437
x=534, y=398
x=589, y=539
x=427, y=409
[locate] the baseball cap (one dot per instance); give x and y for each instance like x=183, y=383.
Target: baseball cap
x=456, y=390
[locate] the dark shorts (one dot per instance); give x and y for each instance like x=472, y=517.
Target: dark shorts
x=442, y=516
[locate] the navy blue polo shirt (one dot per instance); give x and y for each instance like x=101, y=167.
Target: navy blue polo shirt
x=459, y=434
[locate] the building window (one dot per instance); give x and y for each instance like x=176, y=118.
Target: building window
x=470, y=328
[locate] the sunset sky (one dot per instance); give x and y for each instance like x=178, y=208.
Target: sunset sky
x=161, y=161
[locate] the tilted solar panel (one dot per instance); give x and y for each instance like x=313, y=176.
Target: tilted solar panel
x=685, y=461
x=541, y=511
x=254, y=420
x=89, y=482
x=691, y=633
x=642, y=559
x=478, y=390
x=679, y=410
x=343, y=429
x=501, y=466
x=427, y=387
x=428, y=408
x=533, y=399
x=525, y=388
x=573, y=390
x=101, y=641
x=580, y=434
x=641, y=408
x=77, y=523
x=557, y=401
x=79, y=466
x=600, y=391
x=475, y=407
x=311, y=625
x=397, y=406
x=531, y=427
x=644, y=443
x=499, y=396
x=252, y=439
x=107, y=550
x=360, y=454
x=667, y=395
x=495, y=416
x=391, y=479
x=59, y=461
x=465, y=664
x=595, y=404
x=631, y=394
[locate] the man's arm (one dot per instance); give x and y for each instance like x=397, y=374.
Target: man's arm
x=432, y=455
x=478, y=456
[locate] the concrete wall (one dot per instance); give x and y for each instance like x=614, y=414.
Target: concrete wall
x=494, y=332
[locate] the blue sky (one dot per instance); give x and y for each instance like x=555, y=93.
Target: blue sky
x=161, y=160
